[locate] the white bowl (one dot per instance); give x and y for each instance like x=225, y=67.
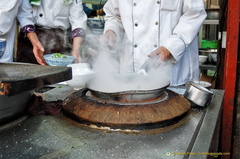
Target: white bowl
x=202, y=59
x=81, y=73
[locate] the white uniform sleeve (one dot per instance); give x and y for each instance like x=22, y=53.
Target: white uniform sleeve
x=187, y=28
x=78, y=18
x=25, y=16
x=112, y=18
x=8, y=13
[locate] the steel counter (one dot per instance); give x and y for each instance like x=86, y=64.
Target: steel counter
x=56, y=137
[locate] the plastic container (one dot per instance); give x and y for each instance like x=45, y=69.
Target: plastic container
x=96, y=23
x=207, y=44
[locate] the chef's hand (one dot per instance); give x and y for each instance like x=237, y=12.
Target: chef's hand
x=77, y=56
x=109, y=40
x=162, y=52
x=38, y=52
x=38, y=49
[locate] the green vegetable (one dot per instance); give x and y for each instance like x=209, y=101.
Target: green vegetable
x=59, y=55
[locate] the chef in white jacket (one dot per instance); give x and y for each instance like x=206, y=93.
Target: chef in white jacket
x=8, y=13
x=49, y=19
x=167, y=28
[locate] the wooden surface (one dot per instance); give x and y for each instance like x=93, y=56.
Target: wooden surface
x=161, y=114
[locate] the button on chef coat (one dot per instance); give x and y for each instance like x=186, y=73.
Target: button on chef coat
x=55, y=14
x=8, y=14
x=159, y=23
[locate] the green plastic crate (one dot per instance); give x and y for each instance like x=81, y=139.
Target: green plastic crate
x=207, y=44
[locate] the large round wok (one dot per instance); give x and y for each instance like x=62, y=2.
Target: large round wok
x=127, y=95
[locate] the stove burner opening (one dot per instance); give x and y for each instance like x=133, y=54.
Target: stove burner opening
x=127, y=99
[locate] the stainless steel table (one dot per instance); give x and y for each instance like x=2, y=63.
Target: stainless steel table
x=46, y=137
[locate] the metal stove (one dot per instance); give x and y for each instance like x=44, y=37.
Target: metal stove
x=47, y=137
x=17, y=84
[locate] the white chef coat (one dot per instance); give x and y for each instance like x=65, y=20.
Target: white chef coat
x=8, y=14
x=149, y=24
x=54, y=14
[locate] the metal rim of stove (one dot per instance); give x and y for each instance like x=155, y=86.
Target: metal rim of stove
x=163, y=97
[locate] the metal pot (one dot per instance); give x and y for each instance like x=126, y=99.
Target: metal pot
x=212, y=14
x=14, y=106
x=198, y=94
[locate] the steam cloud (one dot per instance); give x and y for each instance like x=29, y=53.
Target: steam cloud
x=109, y=79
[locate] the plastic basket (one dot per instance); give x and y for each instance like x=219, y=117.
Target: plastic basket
x=207, y=44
